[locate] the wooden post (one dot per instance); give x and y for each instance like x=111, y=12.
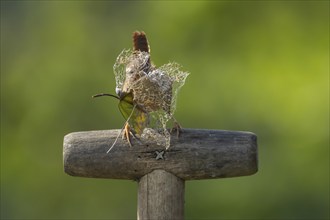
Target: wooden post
x=160, y=196
x=196, y=154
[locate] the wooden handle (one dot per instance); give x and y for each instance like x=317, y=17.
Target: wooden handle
x=196, y=154
x=160, y=196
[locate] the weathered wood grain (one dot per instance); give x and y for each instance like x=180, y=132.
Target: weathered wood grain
x=196, y=154
x=160, y=196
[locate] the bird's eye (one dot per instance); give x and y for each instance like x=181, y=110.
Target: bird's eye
x=129, y=70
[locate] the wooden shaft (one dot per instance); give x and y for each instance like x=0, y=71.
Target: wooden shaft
x=160, y=196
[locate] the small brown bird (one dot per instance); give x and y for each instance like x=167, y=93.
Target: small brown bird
x=151, y=88
x=146, y=94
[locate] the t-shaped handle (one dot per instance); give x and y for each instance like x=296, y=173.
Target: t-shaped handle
x=196, y=154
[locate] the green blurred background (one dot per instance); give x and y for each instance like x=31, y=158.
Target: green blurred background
x=259, y=66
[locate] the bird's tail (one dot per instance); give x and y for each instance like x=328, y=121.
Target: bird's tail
x=140, y=41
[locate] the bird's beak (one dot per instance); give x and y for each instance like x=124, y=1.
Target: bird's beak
x=118, y=91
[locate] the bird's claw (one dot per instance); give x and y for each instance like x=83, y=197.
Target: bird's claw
x=127, y=134
x=176, y=127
